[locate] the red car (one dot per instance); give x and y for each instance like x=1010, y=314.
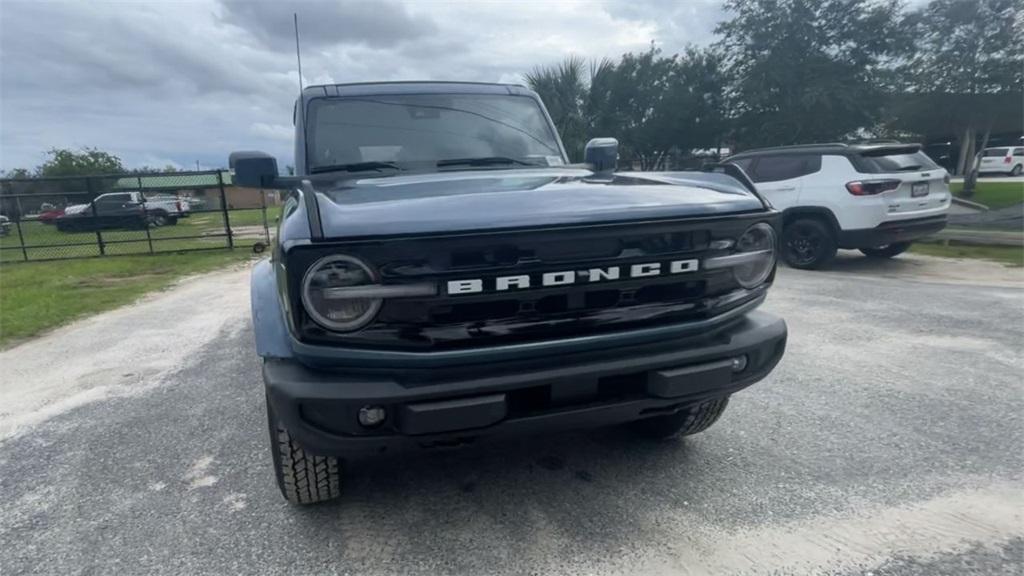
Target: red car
x=49, y=216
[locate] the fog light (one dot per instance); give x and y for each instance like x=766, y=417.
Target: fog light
x=370, y=416
x=739, y=363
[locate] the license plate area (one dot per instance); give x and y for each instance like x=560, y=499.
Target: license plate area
x=918, y=189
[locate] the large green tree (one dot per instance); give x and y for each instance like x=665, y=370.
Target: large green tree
x=635, y=107
x=84, y=162
x=966, y=71
x=694, y=106
x=652, y=103
x=17, y=173
x=808, y=70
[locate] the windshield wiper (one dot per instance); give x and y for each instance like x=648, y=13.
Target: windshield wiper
x=355, y=167
x=484, y=161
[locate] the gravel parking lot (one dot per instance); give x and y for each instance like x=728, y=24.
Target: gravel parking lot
x=888, y=441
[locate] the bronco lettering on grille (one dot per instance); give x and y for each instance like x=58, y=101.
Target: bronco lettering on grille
x=567, y=277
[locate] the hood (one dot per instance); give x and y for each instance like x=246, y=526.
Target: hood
x=491, y=200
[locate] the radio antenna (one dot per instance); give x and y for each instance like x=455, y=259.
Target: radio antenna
x=298, y=53
x=302, y=106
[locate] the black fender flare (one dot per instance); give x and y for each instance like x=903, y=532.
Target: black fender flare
x=819, y=212
x=268, y=321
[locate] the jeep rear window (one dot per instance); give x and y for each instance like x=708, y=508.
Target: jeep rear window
x=882, y=164
x=995, y=152
x=417, y=130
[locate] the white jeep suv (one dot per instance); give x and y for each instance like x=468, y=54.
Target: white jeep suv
x=877, y=198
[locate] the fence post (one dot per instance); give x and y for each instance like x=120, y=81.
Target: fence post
x=263, y=207
x=17, y=224
x=145, y=214
x=95, y=216
x=224, y=209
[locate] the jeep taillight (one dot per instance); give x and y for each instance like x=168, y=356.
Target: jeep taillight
x=871, y=187
x=1007, y=160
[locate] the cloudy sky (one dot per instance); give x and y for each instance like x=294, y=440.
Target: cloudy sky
x=181, y=82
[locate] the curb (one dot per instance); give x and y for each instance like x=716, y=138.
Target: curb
x=975, y=237
x=970, y=204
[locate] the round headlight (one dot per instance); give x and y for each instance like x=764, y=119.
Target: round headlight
x=759, y=243
x=325, y=298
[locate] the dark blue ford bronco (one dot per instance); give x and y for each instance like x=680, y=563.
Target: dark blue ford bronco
x=442, y=274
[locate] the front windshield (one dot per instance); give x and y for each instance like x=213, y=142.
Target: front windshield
x=416, y=131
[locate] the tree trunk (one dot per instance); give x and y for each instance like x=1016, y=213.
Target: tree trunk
x=659, y=164
x=965, y=140
x=972, y=174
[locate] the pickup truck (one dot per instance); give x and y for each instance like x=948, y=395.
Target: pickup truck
x=115, y=210
x=442, y=275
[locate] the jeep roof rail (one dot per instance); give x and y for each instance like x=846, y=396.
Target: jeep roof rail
x=840, y=148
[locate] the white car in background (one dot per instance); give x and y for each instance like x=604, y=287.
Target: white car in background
x=876, y=198
x=1007, y=160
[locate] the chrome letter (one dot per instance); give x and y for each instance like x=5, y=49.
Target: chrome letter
x=465, y=286
x=506, y=282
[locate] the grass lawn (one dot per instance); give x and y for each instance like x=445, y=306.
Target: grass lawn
x=993, y=194
x=1008, y=255
x=37, y=296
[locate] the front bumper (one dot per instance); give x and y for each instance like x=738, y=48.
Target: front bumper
x=320, y=407
x=891, y=232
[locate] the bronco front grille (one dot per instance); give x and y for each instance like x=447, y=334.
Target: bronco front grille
x=449, y=321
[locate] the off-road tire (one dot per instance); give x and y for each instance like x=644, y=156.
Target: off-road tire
x=1017, y=170
x=819, y=234
x=172, y=221
x=303, y=478
x=887, y=251
x=692, y=420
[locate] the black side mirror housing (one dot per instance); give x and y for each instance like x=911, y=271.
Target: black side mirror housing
x=601, y=155
x=253, y=169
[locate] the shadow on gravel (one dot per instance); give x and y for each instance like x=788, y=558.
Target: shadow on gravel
x=852, y=261
x=588, y=487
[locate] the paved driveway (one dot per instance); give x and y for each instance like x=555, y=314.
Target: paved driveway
x=888, y=441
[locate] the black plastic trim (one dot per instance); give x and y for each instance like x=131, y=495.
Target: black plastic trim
x=296, y=392
x=891, y=232
x=316, y=230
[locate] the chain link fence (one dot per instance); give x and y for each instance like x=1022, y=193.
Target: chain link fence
x=95, y=216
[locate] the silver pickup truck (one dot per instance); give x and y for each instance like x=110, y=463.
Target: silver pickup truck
x=123, y=210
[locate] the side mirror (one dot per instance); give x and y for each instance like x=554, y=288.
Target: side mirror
x=601, y=155
x=253, y=169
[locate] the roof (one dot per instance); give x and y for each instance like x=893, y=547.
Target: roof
x=172, y=181
x=412, y=87
x=837, y=148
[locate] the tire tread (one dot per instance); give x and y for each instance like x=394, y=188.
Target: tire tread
x=305, y=478
x=693, y=420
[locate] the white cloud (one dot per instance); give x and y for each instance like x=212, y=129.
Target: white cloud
x=273, y=131
x=180, y=82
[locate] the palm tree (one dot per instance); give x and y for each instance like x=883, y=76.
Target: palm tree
x=564, y=90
